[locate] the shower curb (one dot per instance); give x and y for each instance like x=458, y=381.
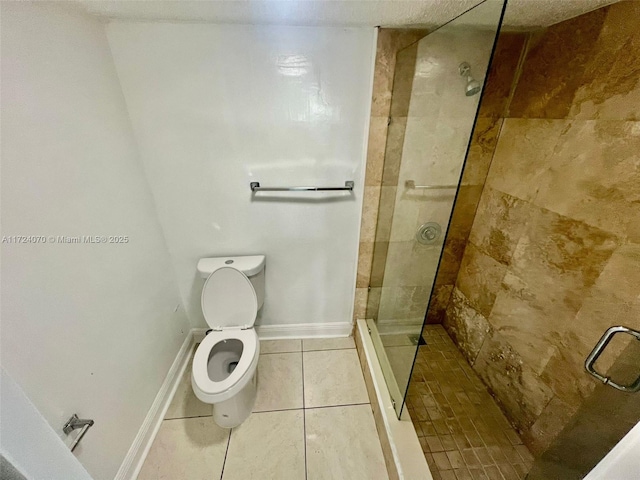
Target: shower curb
x=400, y=445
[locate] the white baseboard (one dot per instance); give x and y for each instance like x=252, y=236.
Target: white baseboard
x=304, y=330
x=296, y=330
x=139, y=449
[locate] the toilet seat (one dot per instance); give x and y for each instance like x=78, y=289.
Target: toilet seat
x=230, y=305
x=228, y=299
x=210, y=391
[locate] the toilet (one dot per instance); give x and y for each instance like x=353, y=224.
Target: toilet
x=225, y=362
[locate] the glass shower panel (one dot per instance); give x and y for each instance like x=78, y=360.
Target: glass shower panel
x=436, y=92
x=602, y=419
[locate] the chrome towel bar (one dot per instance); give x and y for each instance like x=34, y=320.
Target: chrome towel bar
x=411, y=184
x=255, y=187
x=73, y=424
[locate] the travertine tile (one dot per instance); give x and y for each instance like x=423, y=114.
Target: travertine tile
x=480, y=279
x=504, y=66
x=410, y=264
x=467, y=327
x=310, y=344
x=365, y=258
x=360, y=303
x=545, y=88
x=614, y=299
x=403, y=81
x=555, y=264
x=267, y=445
x=460, y=226
x=380, y=250
x=463, y=419
x=342, y=442
x=481, y=149
x=390, y=41
x=520, y=389
x=280, y=346
x=279, y=382
x=333, y=377
x=609, y=87
x=375, y=150
x=191, y=448
x=593, y=175
x=185, y=403
x=369, y=213
x=403, y=303
x=499, y=224
x=524, y=153
x=373, y=302
x=393, y=151
x=385, y=213
x=383, y=74
x=438, y=303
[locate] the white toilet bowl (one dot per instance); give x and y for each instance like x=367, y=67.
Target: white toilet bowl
x=225, y=363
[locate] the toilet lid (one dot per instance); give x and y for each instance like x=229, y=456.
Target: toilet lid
x=228, y=299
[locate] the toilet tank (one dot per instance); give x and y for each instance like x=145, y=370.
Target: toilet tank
x=252, y=266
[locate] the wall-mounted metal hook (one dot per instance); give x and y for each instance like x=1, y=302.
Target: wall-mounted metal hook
x=74, y=423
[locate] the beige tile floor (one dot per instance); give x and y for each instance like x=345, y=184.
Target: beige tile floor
x=312, y=420
x=463, y=433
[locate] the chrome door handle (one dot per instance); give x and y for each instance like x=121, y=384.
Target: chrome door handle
x=598, y=349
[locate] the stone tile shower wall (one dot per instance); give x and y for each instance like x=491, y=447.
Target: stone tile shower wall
x=390, y=41
x=493, y=109
x=553, y=256
x=427, y=134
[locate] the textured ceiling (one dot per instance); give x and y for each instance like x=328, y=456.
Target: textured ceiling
x=521, y=14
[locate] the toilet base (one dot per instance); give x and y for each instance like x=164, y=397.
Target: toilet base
x=232, y=412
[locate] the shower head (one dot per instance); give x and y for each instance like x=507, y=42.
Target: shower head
x=473, y=86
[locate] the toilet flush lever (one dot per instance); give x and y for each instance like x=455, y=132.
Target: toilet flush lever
x=74, y=423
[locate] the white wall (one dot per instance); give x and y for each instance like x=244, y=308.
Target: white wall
x=86, y=329
x=29, y=443
x=216, y=107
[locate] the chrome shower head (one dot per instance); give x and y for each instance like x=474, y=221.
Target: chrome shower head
x=473, y=86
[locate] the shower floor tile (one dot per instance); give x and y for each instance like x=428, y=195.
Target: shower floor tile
x=463, y=433
x=333, y=434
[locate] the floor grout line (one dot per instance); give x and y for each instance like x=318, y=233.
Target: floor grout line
x=328, y=349
x=185, y=418
x=304, y=421
x=278, y=410
x=226, y=452
x=278, y=353
x=315, y=350
x=335, y=406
